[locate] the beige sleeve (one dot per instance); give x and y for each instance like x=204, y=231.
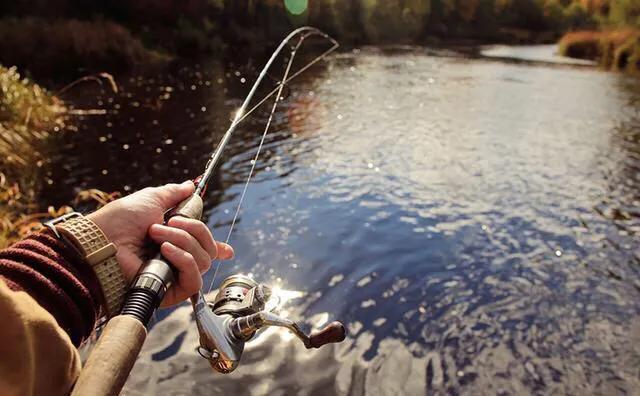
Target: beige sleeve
x=36, y=355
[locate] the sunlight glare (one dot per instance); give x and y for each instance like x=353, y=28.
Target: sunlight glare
x=279, y=298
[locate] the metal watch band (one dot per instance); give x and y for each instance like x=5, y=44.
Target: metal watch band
x=91, y=243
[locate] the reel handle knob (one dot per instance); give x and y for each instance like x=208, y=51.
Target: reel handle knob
x=333, y=332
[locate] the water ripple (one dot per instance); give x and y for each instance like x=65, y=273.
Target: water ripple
x=473, y=222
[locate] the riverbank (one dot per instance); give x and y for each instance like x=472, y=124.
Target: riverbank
x=76, y=39
x=30, y=116
x=617, y=50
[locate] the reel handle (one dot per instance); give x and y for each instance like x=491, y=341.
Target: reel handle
x=332, y=333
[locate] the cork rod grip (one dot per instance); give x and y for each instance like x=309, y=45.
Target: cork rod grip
x=190, y=208
x=111, y=360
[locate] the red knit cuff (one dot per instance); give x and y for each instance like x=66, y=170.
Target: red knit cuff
x=57, y=278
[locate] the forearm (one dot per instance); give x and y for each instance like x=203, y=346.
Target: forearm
x=55, y=276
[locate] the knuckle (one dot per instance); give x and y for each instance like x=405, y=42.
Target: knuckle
x=202, y=263
x=214, y=251
x=147, y=190
x=189, y=224
x=200, y=226
x=189, y=257
x=169, y=251
x=182, y=222
x=174, y=221
x=185, y=238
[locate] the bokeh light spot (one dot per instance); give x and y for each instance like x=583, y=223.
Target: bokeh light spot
x=296, y=7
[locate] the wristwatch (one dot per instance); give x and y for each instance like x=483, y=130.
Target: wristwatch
x=97, y=251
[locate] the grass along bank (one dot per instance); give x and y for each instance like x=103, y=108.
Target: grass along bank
x=617, y=50
x=29, y=116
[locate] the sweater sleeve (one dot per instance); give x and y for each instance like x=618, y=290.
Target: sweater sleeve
x=38, y=357
x=57, y=278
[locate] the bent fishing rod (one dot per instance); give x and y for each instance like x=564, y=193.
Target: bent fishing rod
x=239, y=309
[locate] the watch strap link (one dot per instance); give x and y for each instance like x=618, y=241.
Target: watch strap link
x=100, y=254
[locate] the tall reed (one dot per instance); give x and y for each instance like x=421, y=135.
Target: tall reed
x=28, y=115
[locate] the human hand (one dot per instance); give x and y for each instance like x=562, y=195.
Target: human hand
x=186, y=243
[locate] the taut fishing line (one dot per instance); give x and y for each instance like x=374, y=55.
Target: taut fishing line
x=278, y=92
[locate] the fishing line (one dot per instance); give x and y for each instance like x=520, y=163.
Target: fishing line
x=278, y=90
x=241, y=114
x=294, y=75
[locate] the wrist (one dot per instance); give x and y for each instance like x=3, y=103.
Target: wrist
x=101, y=218
x=97, y=251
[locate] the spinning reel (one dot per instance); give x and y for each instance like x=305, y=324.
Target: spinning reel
x=236, y=314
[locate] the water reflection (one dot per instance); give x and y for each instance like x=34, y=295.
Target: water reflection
x=473, y=222
x=532, y=53
x=278, y=364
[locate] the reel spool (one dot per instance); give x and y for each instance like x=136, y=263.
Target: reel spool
x=240, y=295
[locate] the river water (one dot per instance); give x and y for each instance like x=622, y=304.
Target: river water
x=472, y=221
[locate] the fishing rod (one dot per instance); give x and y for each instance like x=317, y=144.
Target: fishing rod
x=239, y=308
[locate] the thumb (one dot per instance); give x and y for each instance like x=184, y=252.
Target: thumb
x=172, y=194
